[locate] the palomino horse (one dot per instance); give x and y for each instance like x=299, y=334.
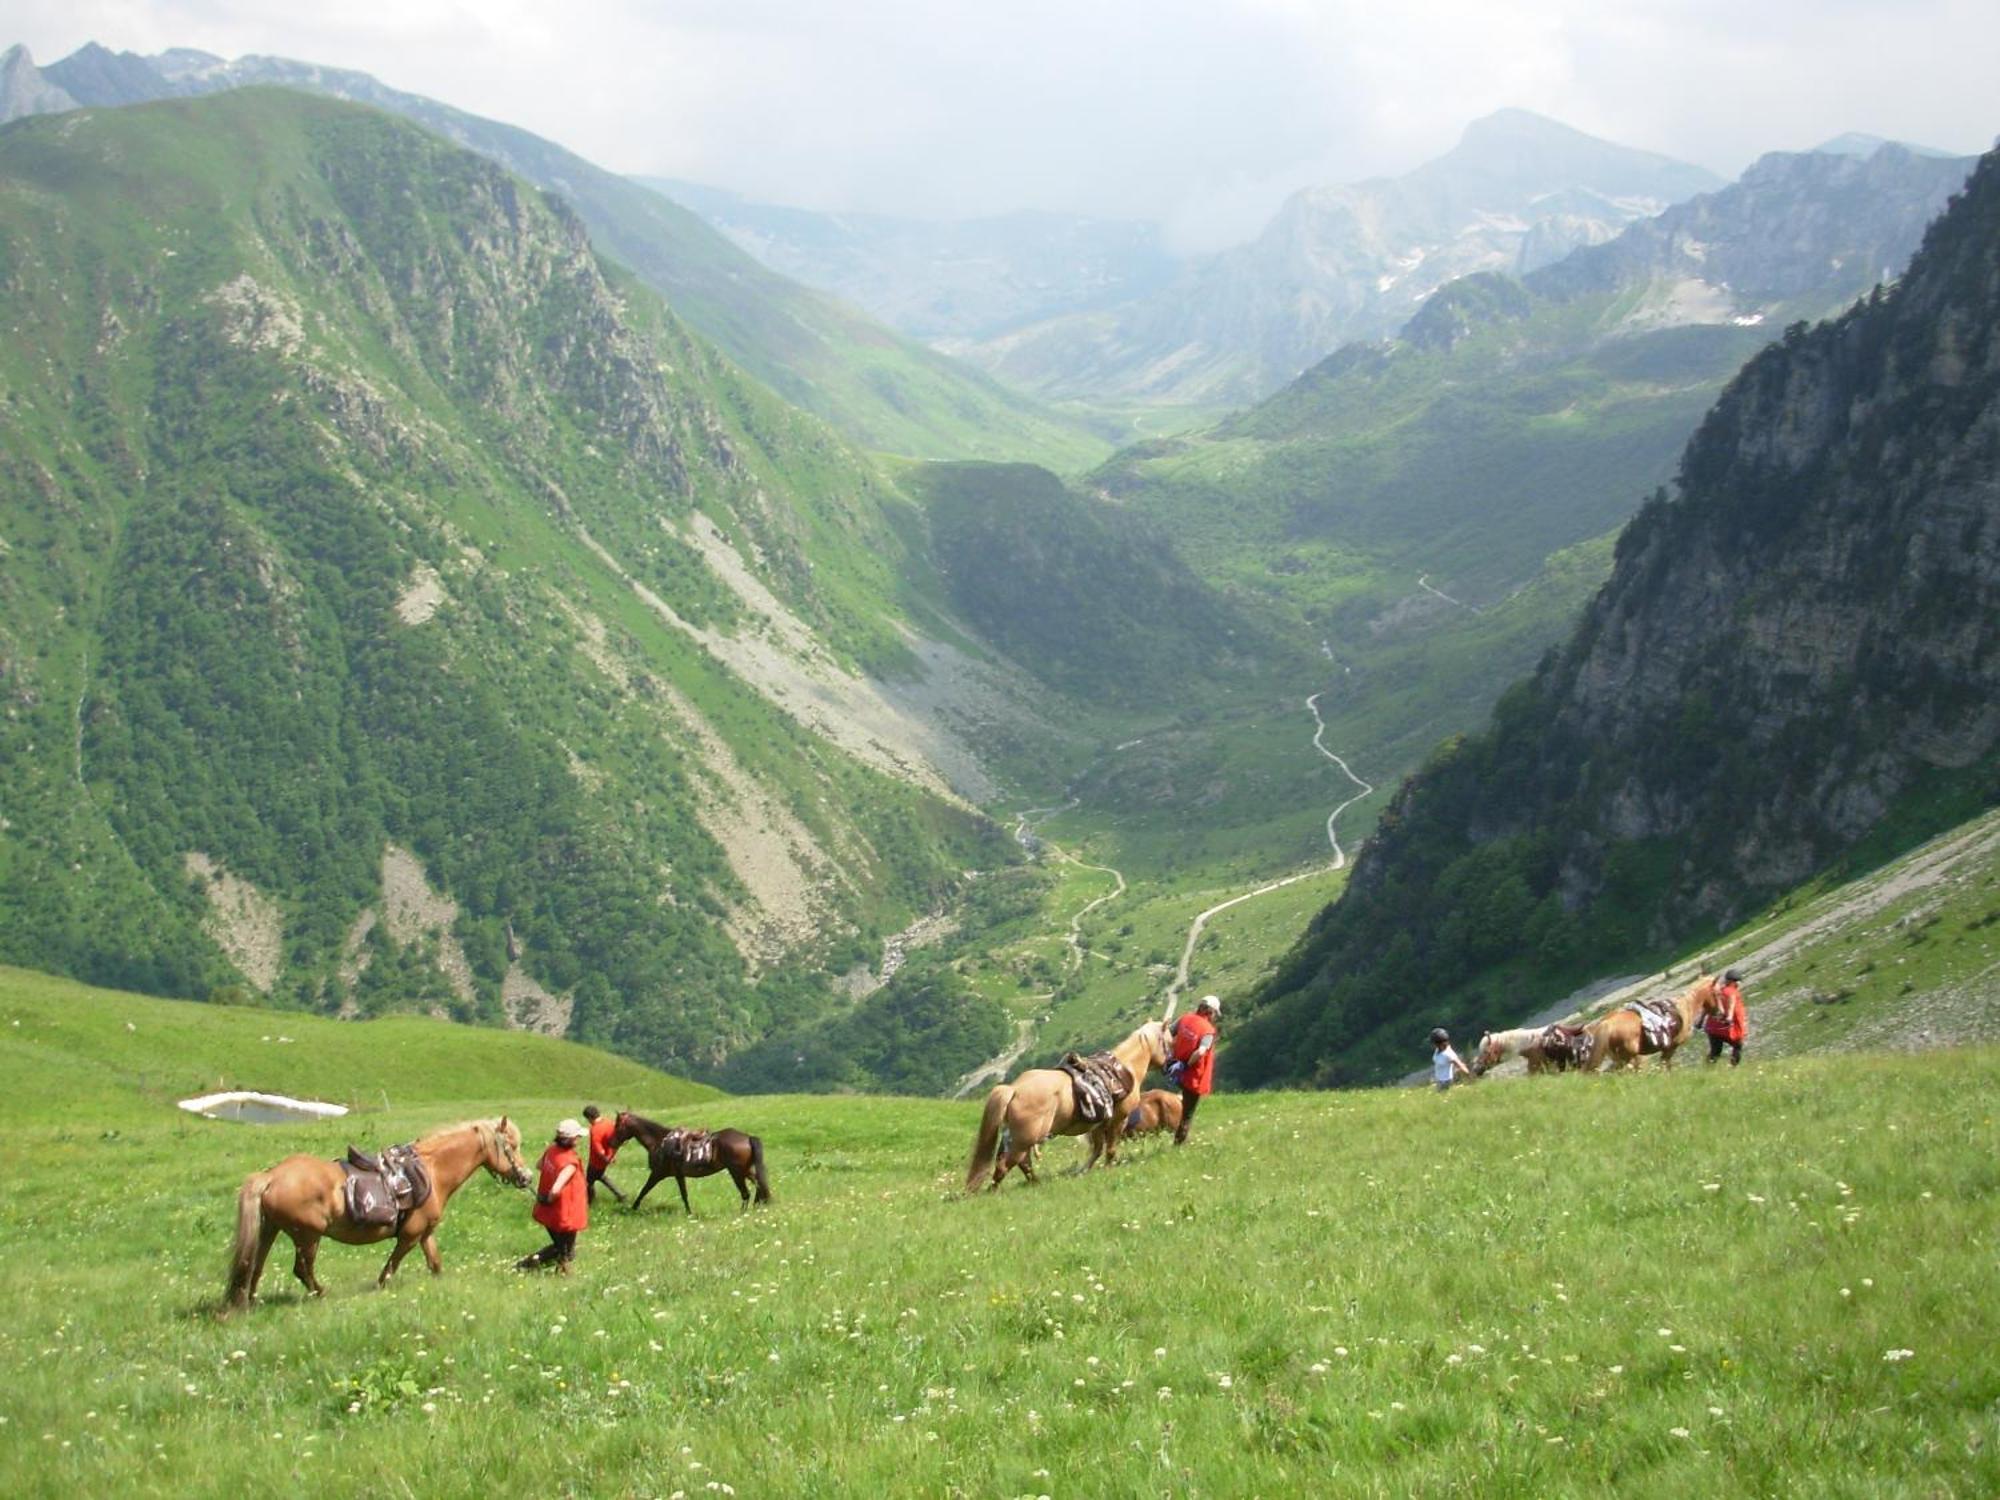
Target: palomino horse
x=1156, y=1109
x=1042, y=1102
x=302, y=1197
x=1619, y=1040
x=1534, y=1045
x=742, y=1156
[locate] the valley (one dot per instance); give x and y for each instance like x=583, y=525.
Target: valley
x=783, y=684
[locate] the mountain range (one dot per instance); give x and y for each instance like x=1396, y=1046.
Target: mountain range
x=941, y=280
x=1338, y=263
x=881, y=389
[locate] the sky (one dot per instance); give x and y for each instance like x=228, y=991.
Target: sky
x=1198, y=114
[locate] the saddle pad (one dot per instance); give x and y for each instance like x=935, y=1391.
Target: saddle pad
x=1659, y=1024
x=1100, y=1082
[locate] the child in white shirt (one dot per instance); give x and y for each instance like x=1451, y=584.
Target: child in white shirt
x=1446, y=1064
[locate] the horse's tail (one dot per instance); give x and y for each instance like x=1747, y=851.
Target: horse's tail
x=988, y=1140
x=249, y=1230
x=757, y=1167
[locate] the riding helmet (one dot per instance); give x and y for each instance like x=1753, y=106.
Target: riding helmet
x=1440, y=1036
x=1732, y=976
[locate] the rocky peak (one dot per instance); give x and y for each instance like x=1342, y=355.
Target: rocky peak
x=24, y=90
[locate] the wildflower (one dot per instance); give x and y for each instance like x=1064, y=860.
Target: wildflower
x=1891, y=1356
x=1341, y=1350
x=1165, y=1393
x=1315, y=1368
x=1678, y=1431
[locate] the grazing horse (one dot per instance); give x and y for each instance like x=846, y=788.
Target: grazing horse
x=1618, y=1039
x=1042, y=1102
x=1495, y=1047
x=1534, y=1045
x=1156, y=1109
x=742, y=1156
x=302, y=1196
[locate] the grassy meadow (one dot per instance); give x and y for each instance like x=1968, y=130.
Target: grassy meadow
x=1776, y=1280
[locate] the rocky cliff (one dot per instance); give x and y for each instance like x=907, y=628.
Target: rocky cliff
x=1795, y=652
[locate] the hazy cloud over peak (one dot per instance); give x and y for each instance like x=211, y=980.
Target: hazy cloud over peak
x=1199, y=113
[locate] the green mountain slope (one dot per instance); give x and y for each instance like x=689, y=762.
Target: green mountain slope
x=402, y=611
x=879, y=388
x=1794, y=655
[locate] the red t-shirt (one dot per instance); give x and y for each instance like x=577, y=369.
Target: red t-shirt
x=571, y=1210
x=1730, y=1025
x=1188, y=1032
x=601, y=1149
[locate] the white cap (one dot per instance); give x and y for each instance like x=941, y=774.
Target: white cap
x=1212, y=1002
x=569, y=1130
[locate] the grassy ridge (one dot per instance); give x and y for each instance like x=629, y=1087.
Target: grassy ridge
x=133, y=1055
x=1693, y=1282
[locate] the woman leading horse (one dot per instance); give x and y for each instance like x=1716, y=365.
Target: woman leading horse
x=1042, y=1102
x=302, y=1196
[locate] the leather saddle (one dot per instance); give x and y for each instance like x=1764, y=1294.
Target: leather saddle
x=383, y=1189
x=1100, y=1083
x=688, y=1146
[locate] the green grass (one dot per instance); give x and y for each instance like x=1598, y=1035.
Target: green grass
x=1668, y=1284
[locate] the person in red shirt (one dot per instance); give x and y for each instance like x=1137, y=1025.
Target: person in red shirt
x=562, y=1203
x=1728, y=1026
x=602, y=1150
x=1193, y=1067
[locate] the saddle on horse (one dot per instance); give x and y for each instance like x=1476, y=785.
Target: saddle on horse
x=688, y=1146
x=382, y=1189
x=1100, y=1081
x=1564, y=1047
x=1659, y=1024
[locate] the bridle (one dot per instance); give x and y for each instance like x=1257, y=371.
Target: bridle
x=517, y=1170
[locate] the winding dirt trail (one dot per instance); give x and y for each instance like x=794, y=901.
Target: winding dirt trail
x=1424, y=583
x=998, y=1066
x=1180, y=983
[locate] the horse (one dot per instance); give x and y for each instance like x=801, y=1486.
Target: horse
x=1156, y=1109
x=1529, y=1043
x=1495, y=1047
x=302, y=1197
x=1619, y=1040
x=1042, y=1102
x=741, y=1155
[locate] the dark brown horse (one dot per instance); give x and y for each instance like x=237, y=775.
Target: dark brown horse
x=301, y=1196
x=667, y=1154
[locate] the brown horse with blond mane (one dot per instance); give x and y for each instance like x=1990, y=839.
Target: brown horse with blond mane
x=1619, y=1038
x=302, y=1196
x=1154, y=1110
x=1042, y=1102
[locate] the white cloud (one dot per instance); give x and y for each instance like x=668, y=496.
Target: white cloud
x=1200, y=113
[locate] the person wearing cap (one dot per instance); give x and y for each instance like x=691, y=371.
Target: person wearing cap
x=562, y=1204
x=1728, y=1026
x=1446, y=1064
x=602, y=1150
x=1192, y=1043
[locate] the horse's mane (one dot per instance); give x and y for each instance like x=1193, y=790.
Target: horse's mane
x=442, y=1131
x=1520, y=1036
x=638, y=1119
